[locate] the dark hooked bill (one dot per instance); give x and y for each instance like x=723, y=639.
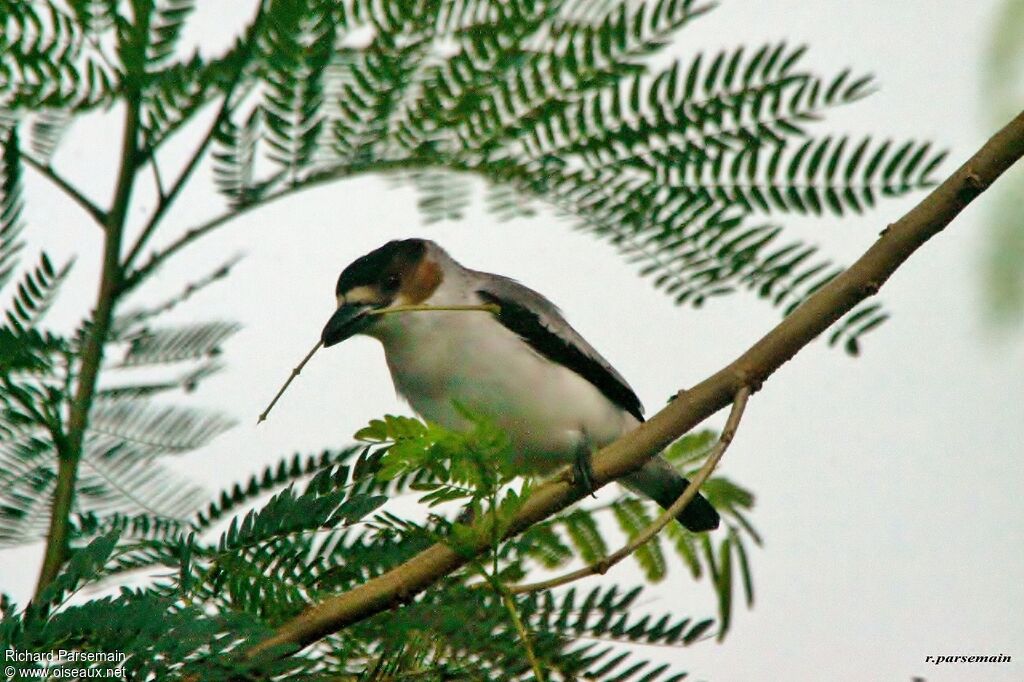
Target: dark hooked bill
x=348, y=320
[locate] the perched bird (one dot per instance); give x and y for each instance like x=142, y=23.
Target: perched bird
x=523, y=367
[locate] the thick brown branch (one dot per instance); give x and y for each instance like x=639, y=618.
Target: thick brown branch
x=814, y=316
x=643, y=537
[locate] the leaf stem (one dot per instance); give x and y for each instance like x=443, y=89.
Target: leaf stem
x=524, y=636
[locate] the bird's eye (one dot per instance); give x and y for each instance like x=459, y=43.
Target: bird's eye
x=391, y=282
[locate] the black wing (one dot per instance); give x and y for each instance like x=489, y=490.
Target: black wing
x=575, y=353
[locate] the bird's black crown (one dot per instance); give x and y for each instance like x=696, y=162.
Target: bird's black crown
x=389, y=260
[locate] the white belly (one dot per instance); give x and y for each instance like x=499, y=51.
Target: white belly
x=440, y=360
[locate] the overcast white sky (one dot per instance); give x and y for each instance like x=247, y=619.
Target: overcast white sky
x=888, y=486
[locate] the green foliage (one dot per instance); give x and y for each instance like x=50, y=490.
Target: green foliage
x=228, y=582
x=35, y=294
x=295, y=48
x=321, y=506
x=271, y=478
x=128, y=429
x=48, y=58
x=476, y=468
x=10, y=206
x=48, y=130
x=686, y=169
x=157, y=631
x=480, y=457
x=687, y=162
x=442, y=195
x=235, y=158
x=683, y=169
x=176, y=344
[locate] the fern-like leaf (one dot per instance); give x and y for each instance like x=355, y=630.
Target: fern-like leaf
x=35, y=294
x=176, y=344
x=10, y=206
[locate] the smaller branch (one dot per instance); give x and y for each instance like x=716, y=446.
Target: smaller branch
x=137, y=275
x=50, y=424
x=91, y=354
x=167, y=200
x=47, y=171
x=157, y=179
x=601, y=567
x=508, y=601
x=295, y=372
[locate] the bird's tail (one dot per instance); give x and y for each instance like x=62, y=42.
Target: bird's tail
x=663, y=484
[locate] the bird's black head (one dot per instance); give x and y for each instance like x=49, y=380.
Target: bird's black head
x=400, y=272
x=382, y=269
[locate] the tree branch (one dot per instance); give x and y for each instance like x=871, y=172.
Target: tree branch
x=669, y=515
x=47, y=171
x=861, y=280
x=158, y=181
x=92, y=349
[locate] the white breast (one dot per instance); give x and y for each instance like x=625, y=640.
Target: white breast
x=440, y=359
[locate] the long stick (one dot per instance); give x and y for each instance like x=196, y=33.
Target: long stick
x=489, y=308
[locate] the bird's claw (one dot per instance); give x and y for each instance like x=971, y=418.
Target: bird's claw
x=467, y=516
x=583, y=471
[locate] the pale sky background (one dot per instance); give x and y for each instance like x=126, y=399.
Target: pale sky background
x=889, y=486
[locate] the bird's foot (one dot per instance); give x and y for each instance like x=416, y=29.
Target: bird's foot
x=467, y=516
x=583, y=471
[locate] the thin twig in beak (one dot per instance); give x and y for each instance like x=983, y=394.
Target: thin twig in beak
x=487, y=308
x=295, y=372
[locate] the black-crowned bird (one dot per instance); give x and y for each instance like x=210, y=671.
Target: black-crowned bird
x=524, y=367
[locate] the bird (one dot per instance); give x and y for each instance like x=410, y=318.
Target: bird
x=523, y=367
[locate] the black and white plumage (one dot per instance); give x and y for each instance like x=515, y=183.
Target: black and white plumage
x=524, y=367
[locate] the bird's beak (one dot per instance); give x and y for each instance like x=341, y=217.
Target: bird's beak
x=348, y=320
